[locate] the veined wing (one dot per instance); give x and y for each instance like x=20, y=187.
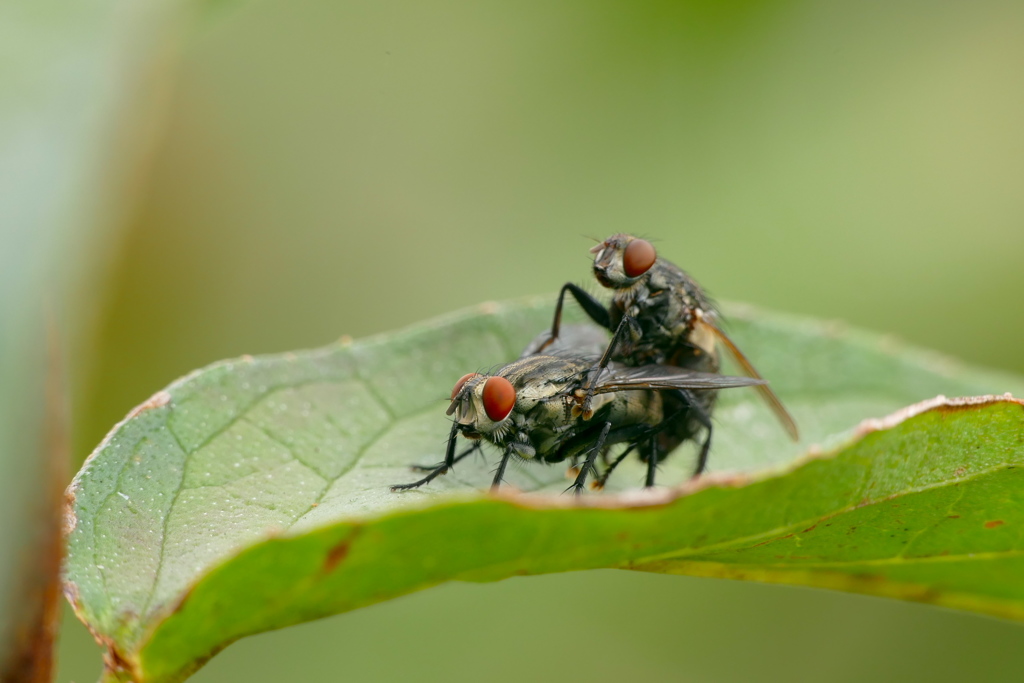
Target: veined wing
x=621, y=378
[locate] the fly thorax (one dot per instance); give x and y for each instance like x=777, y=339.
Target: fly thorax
x=525, y=402
x=533, y=395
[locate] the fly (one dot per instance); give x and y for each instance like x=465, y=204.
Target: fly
x=659, y=315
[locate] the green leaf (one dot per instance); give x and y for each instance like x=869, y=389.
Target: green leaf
x=253, y=494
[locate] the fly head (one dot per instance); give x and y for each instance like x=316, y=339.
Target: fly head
x=621, y=260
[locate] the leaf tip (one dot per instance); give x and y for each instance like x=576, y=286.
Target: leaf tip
x=157, y=400
x=116, y=666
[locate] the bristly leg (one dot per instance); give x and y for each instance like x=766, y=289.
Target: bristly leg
x=690, y=409
x=652, y=462
x=586, y=391
x=588, y=464
x=458, y=458
x=500, y=473
x=705, y=421
x=449, y=460
x=603, y=479
x=693, y=410
x=434, y=473
x=591, y=306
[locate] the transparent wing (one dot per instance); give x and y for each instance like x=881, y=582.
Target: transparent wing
x=767, y=394
x=620, y=378
x=574, y=341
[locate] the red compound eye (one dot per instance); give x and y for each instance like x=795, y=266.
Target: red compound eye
x=462, y=381
x=638, y=258
x=499, y=398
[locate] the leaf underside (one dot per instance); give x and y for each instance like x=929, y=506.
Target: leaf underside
x=253, y=494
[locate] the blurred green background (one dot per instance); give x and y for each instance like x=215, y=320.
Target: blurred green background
x=327, y=168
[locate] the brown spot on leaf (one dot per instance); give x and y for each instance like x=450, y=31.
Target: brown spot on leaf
x=810, y=528
x=954, y=516
x=337, y=554
x=993, y=523
x=772, y=540
x=959, y=471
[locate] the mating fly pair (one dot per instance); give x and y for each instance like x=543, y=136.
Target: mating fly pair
x=653, y=387
x=526, y=408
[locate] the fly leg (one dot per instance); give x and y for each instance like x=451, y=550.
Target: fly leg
x=600, y=481
x=461, y=456
x=449, y=460
x=588, y=464
x=500, y=473
x=591, y=306
x=705, y=421
x=585, y=393
x=652, y=462
x=693, y=410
